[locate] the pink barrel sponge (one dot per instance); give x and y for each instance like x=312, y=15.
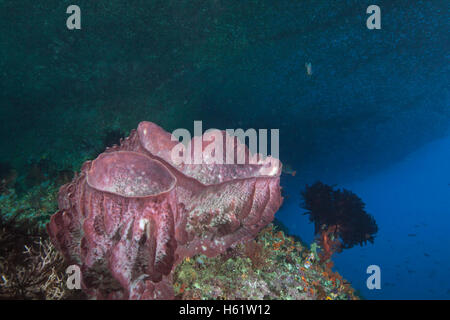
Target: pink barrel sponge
x=134, y=212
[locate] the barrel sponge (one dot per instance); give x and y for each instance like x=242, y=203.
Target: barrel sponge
x=133, y=213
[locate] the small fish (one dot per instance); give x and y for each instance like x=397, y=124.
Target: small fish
x=426, y=254
x=309, y=260
x=308, y=67
x=287, y=169
x=412, y=235
x=307, y=264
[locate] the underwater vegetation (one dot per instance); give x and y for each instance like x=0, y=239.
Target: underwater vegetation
x=272, y=266
x=209, y=238
x=242, y=262
x=267, y=265
x=32, y=208
x=339, y=218
x=30, y=266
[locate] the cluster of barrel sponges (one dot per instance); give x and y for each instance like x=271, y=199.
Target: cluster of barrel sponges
x=132, y=214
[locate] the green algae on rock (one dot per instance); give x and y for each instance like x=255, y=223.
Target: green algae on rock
x=273, y=266
x=34, y=208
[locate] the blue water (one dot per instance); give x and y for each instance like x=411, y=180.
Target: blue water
x=410, y=201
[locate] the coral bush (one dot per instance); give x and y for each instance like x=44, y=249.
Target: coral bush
x=339, y=218
x=30, y=267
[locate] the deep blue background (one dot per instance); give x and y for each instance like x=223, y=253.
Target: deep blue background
x=410, y=201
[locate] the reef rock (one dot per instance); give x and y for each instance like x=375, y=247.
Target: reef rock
x=133, y=213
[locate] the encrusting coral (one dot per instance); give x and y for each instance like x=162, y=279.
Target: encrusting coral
x=273, y=266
